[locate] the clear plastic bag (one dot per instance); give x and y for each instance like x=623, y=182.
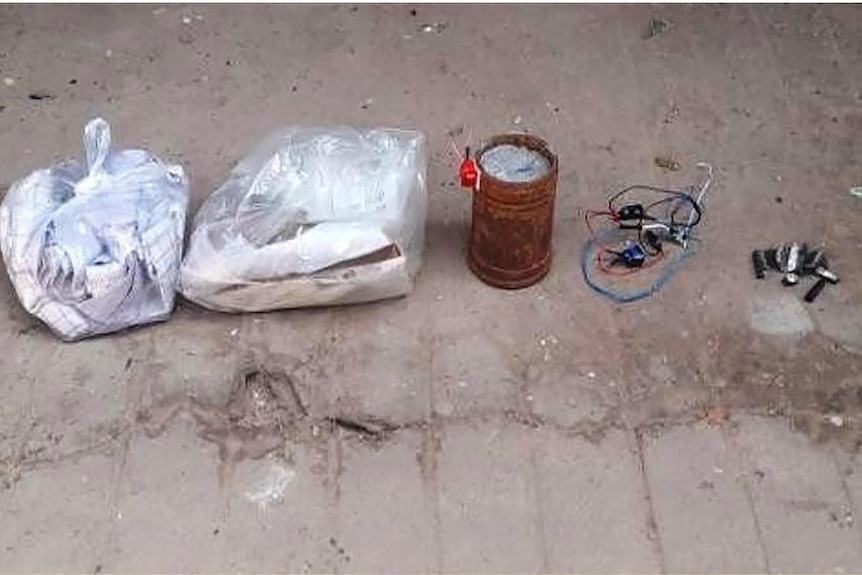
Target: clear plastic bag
x=312, y=216
x=96, y=248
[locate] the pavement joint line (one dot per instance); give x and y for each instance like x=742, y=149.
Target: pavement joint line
x=653, y=532
x=749, y=498
x=847, y=493
x=592, y=431
x=541, y=510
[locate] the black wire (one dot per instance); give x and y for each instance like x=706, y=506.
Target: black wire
x=630, y=189
x=674, y=193
x=683, y=196
x=675, y=196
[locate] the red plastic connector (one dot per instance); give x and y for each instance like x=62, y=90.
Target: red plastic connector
x=469, y=172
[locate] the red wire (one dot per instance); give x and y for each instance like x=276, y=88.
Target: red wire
x=589, y=214
x=610, y=270
x=606, y=267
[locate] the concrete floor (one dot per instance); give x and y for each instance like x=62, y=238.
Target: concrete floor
x=712, y=428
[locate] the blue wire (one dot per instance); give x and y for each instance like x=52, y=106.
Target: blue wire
x=588, y=253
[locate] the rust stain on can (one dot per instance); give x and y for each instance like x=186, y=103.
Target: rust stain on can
x=510, y=237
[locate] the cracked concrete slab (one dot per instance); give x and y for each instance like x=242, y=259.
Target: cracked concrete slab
x=702, y=505
x=800, y=499
x=59, y=519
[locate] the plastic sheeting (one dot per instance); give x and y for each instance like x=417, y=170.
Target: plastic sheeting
x=312, y=216
x=96, y=248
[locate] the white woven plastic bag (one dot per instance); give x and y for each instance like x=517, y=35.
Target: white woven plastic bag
x=312, y=216
x=96, y=248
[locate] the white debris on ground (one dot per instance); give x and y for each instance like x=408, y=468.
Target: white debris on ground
x=271, y=483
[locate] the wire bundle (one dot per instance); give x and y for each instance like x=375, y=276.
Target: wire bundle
x=637, y=225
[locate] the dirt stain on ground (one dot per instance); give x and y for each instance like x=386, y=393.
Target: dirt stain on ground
x=263, y=413
x=813, y=382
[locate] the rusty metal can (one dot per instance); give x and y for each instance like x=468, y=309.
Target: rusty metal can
x=510, y=236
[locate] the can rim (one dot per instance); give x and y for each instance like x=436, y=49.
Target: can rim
x=529, y=141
